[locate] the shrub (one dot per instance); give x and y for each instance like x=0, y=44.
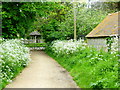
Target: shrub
x=14, y=56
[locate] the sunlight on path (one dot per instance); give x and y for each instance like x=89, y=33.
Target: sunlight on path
x=43, y=72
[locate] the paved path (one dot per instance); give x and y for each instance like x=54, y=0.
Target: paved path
x=43, y=72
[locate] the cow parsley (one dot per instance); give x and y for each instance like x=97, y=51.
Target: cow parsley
x=13, y=57
x=67, y=47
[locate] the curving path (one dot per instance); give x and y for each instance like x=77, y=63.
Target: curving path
x=43, y=72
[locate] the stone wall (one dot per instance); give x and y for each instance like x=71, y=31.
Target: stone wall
x=99, y=43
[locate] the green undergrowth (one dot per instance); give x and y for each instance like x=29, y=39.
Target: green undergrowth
x=36, y=45
x=90, y=68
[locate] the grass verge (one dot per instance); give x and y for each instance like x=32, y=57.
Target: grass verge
x=90, y=68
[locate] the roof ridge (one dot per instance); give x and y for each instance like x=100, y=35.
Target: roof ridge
x=108, y=26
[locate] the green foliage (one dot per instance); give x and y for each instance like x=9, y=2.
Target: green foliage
x=54, y=20
x=14, y=56
x=87, y=20
x=1, y=41
x=60, y=26
x=48, y=23
x=36, y=45
x=90, y=68
x=17, y=18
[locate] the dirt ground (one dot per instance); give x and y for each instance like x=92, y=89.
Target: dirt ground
x=43, y=72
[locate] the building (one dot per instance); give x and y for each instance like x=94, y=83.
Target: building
x=36, y=36
x=109, y=27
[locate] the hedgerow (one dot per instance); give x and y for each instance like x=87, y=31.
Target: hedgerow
x=89, y=67
x=14, y=56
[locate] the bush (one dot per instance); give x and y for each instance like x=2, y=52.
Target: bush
x=89, y=67
x=14, y=56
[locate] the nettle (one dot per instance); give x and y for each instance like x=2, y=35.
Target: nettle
x=14, y=56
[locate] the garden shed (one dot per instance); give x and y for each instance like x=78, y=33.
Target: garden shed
x=107, y=28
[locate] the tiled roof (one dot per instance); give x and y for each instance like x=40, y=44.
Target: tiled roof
x=108, y=27
x=34, y=33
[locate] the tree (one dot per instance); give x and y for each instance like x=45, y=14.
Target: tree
x=53, y=14
x=16, y=18
x=19, y=18
x=54, y=20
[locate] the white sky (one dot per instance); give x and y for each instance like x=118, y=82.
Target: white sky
x=62, y=0
x=97, y=0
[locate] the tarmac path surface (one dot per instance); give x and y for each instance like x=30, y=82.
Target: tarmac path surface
x=43, y=72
